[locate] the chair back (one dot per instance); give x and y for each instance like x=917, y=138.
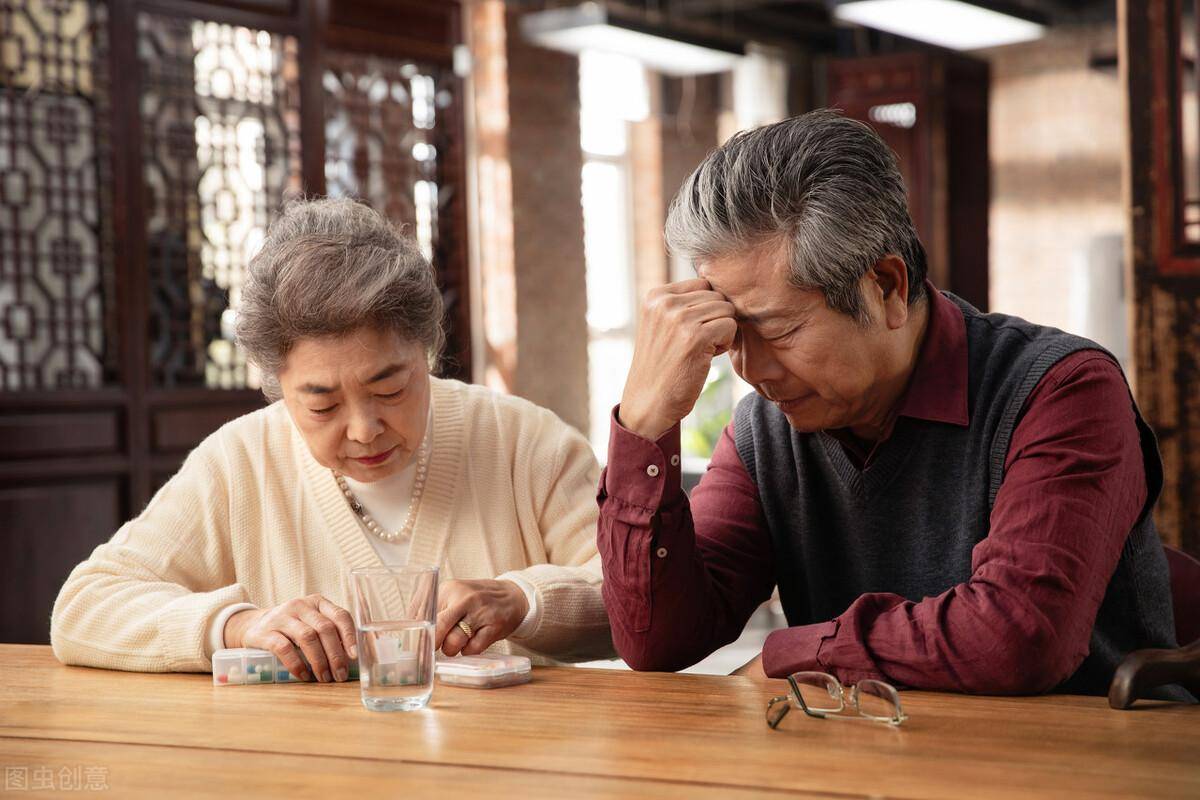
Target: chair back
x=1185, y=595
x=1142, y=671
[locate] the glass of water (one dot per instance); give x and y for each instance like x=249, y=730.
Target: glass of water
x=395, y=609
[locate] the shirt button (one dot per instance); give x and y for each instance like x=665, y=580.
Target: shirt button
x=661, y=552
x=675, y=460
x=652, y=470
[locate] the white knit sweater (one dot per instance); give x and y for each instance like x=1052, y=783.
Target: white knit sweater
x=252, y=517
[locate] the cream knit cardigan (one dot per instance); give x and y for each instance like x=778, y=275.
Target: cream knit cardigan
x=252, y=517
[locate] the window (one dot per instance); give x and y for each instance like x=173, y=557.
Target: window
x=612, y=92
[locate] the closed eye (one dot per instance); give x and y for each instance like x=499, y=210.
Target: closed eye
x=323, y=411
x=391, y=396
x=782, y=336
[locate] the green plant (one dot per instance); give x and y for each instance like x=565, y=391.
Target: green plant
x=702, y=429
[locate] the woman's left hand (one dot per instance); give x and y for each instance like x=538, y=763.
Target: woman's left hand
x=491, y=609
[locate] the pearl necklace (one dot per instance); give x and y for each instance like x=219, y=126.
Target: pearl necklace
x=410, y=519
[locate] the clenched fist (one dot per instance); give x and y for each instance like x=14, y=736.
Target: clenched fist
x=683, y=327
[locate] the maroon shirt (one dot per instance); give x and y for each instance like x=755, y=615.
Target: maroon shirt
x=1074, y=458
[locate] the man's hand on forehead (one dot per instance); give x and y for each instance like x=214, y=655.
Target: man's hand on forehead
x=683, y=326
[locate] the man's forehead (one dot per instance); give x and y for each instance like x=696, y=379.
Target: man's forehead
x=759, y=290
x=748, y=266
x=732, y=276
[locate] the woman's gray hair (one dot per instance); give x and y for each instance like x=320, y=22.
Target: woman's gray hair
x=825, y=185
x=330, y=267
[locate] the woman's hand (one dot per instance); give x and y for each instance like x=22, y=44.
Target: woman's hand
x=491, y=609
x=324, y=632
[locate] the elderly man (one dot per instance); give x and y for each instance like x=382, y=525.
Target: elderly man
x=946, y=499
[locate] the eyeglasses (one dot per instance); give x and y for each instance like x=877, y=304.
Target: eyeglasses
x=819, y=694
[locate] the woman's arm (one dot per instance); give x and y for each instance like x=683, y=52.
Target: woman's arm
x=144, y=600
x=572, y=624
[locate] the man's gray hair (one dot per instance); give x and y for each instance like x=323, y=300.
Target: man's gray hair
x=825, y=186
x=330, y=267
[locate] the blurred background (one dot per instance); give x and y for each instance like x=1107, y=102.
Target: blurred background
x=1051, y=150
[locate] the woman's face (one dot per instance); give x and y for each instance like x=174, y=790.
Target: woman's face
x=360, y=400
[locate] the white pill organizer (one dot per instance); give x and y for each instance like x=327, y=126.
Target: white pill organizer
x=245, y=666
x=484, y=672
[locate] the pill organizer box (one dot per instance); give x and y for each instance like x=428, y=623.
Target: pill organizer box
x=243, y=666
x=484, y=672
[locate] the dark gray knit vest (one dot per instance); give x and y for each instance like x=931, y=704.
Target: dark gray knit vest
x=907, y=524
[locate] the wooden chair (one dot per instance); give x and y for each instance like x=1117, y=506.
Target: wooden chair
x=1144, y=670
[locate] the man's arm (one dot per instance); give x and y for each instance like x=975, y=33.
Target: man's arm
x=676, y=590
x=1074, y=486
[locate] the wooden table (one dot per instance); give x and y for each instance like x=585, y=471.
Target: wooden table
x=572, y=733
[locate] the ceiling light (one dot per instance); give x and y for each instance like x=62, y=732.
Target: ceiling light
x=661, y=47
x=955, y=24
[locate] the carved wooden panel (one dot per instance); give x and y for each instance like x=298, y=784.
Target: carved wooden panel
x=389, y=128
x=1166, y=263
x=56, y=277
x=1177, y=135
x=220, y=116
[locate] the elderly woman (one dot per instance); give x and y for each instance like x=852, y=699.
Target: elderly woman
x=363, y=459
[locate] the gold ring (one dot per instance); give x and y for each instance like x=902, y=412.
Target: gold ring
x=465, y=627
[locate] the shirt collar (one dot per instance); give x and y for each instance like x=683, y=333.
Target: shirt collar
x=937, y=390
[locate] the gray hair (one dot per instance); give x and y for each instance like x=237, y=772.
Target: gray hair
x=825, y=185
x=330, y=267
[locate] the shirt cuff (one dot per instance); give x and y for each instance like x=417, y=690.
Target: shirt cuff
x=796, y=649
x=641, y=472
x=216, y=630
x=534, y=615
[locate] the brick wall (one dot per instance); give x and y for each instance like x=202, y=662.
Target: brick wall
x=690, y=109
x=494, y=295
x=1057, y=141
x=530, y=251
x=548, y=228
x=648, y=205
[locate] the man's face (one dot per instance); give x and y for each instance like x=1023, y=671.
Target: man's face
x=360, y=401
x=817, y=365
